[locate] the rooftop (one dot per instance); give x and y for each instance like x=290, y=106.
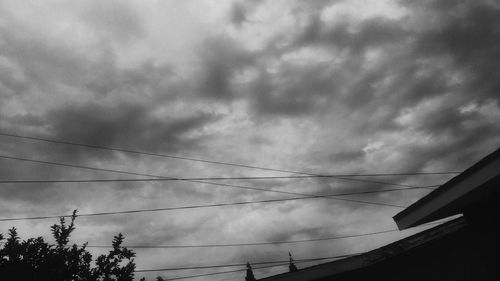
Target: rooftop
x=452, y=198
x=371, y=257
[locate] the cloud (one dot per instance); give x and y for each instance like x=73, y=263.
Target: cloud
x=466, y=34
x=113, y=19
x=354, y=37
x=293, y=90
x=406, y=76
x=317, y=86
x=221, y=60
x=124, y=125
x=239, y=11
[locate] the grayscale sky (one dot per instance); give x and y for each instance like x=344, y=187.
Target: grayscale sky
x=325, y=87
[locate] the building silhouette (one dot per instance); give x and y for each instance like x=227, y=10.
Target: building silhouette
x=464, y=248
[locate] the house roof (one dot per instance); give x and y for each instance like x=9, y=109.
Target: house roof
x=372, y=257
x=453, y=197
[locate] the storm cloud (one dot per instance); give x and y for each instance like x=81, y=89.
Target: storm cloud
x=327, y=87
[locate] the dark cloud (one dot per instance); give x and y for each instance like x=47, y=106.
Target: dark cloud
x=238, y=14
x=123, y=125
x=240, y=10
x=411, y=72
x=273, y=99
x=467, y=34
x=377, y=94
x=353, y=37
x=222, y=59
x=293, y=90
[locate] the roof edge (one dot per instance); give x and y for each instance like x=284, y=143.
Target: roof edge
x=373, y=256
x=443, y=188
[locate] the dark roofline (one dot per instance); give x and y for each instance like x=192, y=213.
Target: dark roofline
x=372, y=257
x=449, y=184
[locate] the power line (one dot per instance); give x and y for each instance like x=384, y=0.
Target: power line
x=172, y=179
x=241, y=270
x=209, y=205
x=259, y=243
x=222, y=272
x=247, y=244
x=273, y=263
x=204, y=160
x=239, y=264
x=237, y=270
x=194, y=181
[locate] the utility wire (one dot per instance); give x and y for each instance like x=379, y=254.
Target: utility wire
x=195, y=181
x=223, y=272
x=237, y=270
x=201, y=160
x=239, y=264
x=273, y=264
x=183, y=178
x=176, y=178
x=209, y=205
x=259, y=243
x=173, y=179
x=247, y=244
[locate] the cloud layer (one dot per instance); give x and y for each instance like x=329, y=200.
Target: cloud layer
x=321, y=86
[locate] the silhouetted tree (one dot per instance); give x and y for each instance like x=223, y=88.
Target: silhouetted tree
x=35, y=259
x=249, y=276
x=291, y=265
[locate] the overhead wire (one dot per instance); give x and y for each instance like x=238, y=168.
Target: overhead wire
x=14, y=181
x=237, y=270
x=273, y=264
x=247, y=244
x=195, y=181
x=205, y=160
x=220, y=272
x=240, y=264
x=176, y=178
x=202, y=180
x=208, y=205
x=261, y=243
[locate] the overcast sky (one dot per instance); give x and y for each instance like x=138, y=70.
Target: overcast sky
x=326, y=87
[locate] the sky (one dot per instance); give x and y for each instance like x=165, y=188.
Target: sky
x=322, y=87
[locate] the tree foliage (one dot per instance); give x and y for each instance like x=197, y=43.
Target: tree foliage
x=35, y=259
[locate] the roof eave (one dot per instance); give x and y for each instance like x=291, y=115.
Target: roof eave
x=431, y=206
